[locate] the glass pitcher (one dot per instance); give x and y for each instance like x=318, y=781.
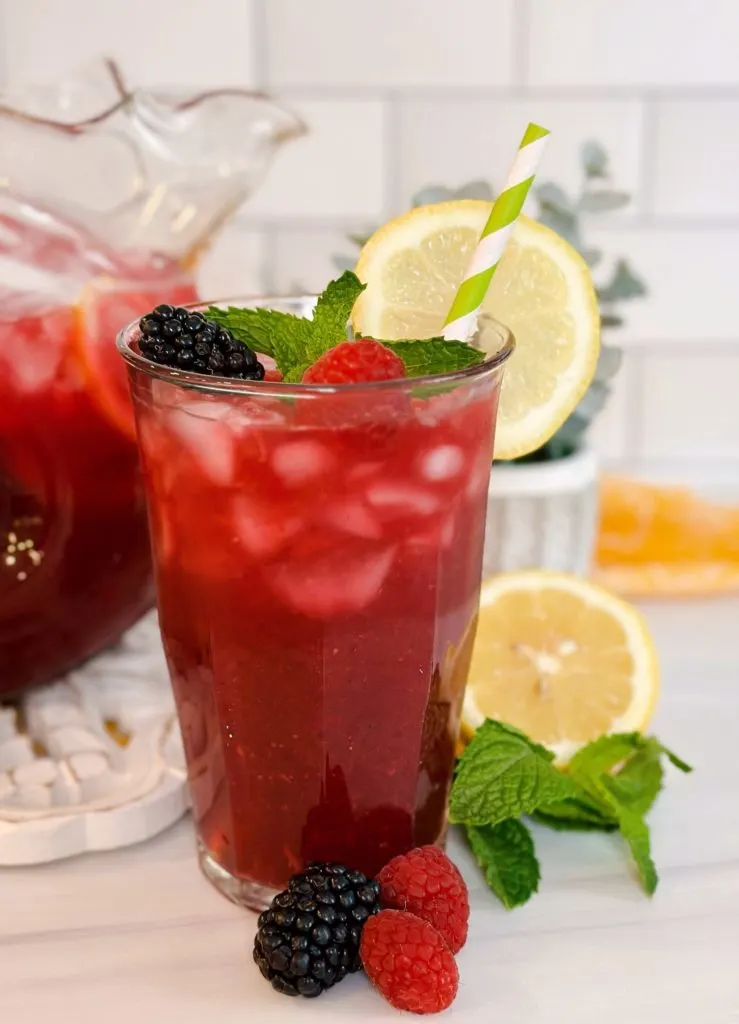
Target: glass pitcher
x=108, y=196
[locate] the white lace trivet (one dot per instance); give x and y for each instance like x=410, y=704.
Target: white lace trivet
x=93, y=761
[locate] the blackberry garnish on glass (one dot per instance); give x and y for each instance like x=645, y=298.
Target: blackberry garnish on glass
x=185, y=340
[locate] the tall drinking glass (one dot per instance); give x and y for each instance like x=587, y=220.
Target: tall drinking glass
x=318, y=554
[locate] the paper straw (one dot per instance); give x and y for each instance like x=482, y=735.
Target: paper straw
x=462, y=318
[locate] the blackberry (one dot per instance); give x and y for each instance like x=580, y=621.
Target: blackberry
x=185, y=340
x=308, y=939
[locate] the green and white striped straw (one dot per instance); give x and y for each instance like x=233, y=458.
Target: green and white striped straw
x=462, y=318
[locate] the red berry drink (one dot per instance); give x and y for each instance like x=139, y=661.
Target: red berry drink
x=318, y=552
x=75, y=565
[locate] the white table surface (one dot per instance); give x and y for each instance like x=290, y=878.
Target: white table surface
x=138, y=936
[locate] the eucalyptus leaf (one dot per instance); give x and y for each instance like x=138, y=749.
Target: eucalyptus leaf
x=570, y=435
x=610, y=319
x=432, y=194
x=624, y=284
x=476, y=190
x=343, y=263
x=603, y=201
x=565, y=224
x=593, y=401
x=594, y=160
x=591, y=256
x=554, y=196
x=609, y=362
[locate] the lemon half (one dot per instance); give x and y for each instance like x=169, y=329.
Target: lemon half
x=560, y=658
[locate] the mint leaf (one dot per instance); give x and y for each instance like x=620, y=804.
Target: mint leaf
x=503, y=774
x=294, y=342
x=434, y=356
x=627, y=767
x=637, y=784
x=675, y=761
x=505, y=852
x=623, y=773
x=282, y=336
x=636, y=833
x=332, y=313
x=605, y=753
x=575, y=814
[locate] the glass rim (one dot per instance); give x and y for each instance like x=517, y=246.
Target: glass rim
x=229, y=386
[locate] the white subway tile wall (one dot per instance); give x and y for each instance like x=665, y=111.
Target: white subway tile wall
x=171, y=42
x=399, y=95
x=336, y=171
x=453, y=140
x=386, y=44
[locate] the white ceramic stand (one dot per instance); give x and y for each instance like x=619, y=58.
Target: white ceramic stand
x=542, y=515
x=93, y=761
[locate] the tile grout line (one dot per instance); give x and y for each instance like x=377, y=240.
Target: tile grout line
x=514, y=91
x=648, y=160
x=392, y=160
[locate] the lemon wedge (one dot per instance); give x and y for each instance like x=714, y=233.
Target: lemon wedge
x=542, y=291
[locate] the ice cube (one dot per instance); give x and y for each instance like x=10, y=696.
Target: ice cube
x=208, y=440
x=439, y=535
x=441, y=463
x=477, y=481
x=298, y=463
x=260, y=527
x=398, y=499
x=349, y=514
x=245, y=413
x=332, y=583
x=34, y=347
x=205, y=409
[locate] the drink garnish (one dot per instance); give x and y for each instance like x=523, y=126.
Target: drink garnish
x=609, y=786
x=357, y=361
x=184, y=340
x=296, y=342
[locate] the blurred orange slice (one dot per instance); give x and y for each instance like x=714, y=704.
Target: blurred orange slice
x=665, y=541
x=103, y=308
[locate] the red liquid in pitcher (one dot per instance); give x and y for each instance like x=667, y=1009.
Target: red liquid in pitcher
x=74, y=552
x=318, y=589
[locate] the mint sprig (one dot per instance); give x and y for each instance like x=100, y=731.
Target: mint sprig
x=503, y=774
x=435, y=355
x=295, y=342
x=505, y=852
x=609, y=786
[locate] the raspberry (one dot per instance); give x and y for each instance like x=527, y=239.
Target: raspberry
x=408, y=962
x=355, y=362
x=426, y=883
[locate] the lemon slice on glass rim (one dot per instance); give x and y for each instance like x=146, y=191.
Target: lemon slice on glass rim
x=542, y=291
x=560, y=658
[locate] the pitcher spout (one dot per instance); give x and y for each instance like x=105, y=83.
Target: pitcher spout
x=156, y=171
